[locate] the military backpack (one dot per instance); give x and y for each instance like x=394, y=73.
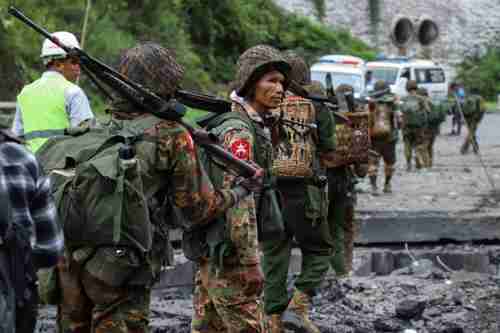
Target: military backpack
x=414, y=115
x=98, y=187
x=472, y=108
x=437, y=114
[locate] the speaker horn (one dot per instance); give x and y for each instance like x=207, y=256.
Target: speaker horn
x=402, y=31
x=427, y=31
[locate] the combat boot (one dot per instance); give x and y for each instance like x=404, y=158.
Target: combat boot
x=275, y=324
x=373, y=182
x=387, y=185
x=296, y=317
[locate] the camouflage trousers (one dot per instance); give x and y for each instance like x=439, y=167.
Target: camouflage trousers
x=89, y=305
x=418, y=141
x=471, y=136
x=386, y=151
x=224, y=302
x=343, y=227
x=430, y=140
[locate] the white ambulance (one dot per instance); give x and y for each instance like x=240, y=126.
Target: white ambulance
x=397, y=71
x=343, y=69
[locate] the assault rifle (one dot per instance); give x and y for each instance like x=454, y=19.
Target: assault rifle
x=146, y=100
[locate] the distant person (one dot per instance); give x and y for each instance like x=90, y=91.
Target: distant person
x=53, y=102
x=30, y=237
x=383, y=124
x=369, y=81
x=473, y=110
x=456, y=98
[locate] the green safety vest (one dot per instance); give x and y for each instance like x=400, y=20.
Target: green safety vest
x=43, y=109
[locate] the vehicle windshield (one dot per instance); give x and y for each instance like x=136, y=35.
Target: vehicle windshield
x=386, y=74
x=429, y=75
x=354, y=80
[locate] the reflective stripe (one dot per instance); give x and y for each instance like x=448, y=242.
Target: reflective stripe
x=43, y=134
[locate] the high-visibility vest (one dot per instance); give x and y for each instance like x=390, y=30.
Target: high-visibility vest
x=43, y=109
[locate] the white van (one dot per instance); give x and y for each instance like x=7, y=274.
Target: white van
x=344, y=69
x=397, y=71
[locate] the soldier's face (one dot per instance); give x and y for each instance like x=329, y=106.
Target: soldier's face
x=269, y=90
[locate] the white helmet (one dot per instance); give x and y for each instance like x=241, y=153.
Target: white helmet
x=51, y=51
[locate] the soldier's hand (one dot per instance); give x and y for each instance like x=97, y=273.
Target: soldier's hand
x=254, y=183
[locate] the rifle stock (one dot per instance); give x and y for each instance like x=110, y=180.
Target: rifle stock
x=146, y=100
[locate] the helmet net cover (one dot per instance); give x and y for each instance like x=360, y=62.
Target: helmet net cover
x=152, y=66
x=411, y=85
x=380, y=85
x=300, y=72
x=256, y=62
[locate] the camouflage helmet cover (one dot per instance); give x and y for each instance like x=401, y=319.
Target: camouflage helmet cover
x=254, y=63
x=411, y=85
x=152, y=66
x=422, y=91
x=380, y=85
x=300, y=72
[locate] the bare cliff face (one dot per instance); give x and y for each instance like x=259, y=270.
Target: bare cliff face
x=466, y=26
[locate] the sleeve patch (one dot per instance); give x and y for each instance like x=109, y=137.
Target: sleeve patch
x=241, y=149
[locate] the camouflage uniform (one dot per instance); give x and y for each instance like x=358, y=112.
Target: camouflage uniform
x=169, y=161
x=431, y=131
x=385, y=147
x=229, y=282
x=472, y=122
x=416, y=138
x=305, y=217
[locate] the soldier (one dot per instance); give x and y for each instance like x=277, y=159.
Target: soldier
x=229, y=281
x=53, y=102
x=473, y=110
x=384, y=122
x=342, y=200
x=456, y=99
x=415, y=110
x=436, y=116
x=91, y=299
x=303, y=184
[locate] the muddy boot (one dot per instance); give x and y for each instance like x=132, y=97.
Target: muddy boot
x=275, y=324
x=296, y=317
x=373, y=182
x=387, y=185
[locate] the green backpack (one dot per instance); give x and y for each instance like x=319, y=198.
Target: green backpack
x=472, y=107
x=438, y=114
x=98, y=188
x=413, y=116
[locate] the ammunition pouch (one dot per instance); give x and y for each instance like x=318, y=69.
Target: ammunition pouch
x=271, y=225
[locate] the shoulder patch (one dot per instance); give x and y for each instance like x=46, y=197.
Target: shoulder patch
x=241, y=149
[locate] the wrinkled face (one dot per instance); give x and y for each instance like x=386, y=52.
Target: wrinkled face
x=269, y=90
x=69, y=68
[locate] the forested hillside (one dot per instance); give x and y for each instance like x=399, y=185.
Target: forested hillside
x=208, y=35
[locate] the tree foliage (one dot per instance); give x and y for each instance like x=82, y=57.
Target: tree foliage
x=207, y=36
x=482, y=72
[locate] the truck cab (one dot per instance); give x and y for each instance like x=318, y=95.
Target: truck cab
x=397, y=71
x=343, y=69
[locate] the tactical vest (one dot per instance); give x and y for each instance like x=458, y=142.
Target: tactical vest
x=43, y=109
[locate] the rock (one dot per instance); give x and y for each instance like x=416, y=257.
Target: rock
x=410, y=309
x=387, y=325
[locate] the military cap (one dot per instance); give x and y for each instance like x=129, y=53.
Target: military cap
x=254, y=63
x=153, y=67
x=300, y=72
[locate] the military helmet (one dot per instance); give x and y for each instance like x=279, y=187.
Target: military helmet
x=300, y=72
x=380, y=85
x=344, y=88
x=152, y=66
x=411, y=85
x=254, y=63
x=422, y=91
